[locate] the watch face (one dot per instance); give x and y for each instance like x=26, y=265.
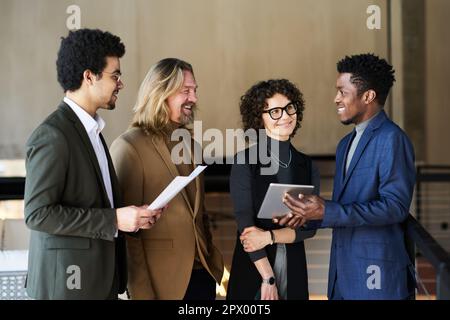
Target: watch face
x=270, y=281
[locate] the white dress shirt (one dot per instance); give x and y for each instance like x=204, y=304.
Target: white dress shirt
x=93, y=128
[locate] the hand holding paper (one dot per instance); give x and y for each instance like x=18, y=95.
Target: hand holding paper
x=174, y=188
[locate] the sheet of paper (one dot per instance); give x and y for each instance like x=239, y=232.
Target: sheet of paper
x=197, y=171
x=174, y=188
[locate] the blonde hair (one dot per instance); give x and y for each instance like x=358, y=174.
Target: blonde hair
x=165, y=78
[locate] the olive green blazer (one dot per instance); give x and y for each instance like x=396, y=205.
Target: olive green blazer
x=73, y=251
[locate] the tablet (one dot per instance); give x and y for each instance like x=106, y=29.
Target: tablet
x=273, y=205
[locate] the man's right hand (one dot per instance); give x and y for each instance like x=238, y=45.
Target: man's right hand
x=289, y=220
x=132, y=218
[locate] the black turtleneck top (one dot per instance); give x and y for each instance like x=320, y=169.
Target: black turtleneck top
x=241, y=184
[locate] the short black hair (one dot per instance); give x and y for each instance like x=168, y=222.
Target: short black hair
x=85, y=49
x=253, y=102
x=369, y=72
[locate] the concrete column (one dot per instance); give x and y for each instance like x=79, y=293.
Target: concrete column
x=413, y=74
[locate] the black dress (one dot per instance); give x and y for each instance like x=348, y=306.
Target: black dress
x=248, y=188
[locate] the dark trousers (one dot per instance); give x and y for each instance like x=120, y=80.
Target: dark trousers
x=202, y=286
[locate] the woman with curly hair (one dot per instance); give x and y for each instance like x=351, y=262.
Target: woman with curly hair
x=269, y=261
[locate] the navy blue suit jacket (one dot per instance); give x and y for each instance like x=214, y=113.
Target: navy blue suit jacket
x=368, y=255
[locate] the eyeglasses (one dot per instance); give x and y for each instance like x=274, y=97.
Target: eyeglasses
x=276, y=113
x=115, y=75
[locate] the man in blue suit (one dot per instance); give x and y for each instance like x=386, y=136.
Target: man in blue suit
x=373, y=188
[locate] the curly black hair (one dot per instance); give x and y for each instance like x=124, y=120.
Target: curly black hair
x=85, y=49
x=253, y=102
x=369, y=72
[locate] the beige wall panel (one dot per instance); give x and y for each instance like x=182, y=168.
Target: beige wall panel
x=231, y=44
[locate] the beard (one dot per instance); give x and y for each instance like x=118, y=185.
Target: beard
x=350, y=121
x=347, y=122
x=187, y=119
x=111, y=105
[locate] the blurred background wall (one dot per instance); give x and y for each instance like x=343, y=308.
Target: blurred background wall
x=231, y=44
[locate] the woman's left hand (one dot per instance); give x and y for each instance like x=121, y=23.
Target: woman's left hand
x=253, y=239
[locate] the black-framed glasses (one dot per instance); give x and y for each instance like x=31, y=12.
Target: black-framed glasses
x=115, y=75
x=276, y=113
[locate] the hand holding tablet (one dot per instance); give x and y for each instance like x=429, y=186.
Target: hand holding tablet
x=273, y=205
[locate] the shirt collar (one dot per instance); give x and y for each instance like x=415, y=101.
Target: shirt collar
x=96, y=124
x=360, y=127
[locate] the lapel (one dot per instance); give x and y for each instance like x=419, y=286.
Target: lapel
x=340, y=164
x=342, y=173
x=79, y=128
x=112, y=175
x=362, y=144
x=163, y=152
x=197, y=194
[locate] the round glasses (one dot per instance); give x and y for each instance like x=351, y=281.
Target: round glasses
x=276, y=113
x=115, y=75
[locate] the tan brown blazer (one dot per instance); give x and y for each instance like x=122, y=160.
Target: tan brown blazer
x=161, y=258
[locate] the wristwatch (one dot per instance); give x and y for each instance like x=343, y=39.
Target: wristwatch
x=270, y=281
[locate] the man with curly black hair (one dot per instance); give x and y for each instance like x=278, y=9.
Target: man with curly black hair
x=77, y=249
x=373, y=188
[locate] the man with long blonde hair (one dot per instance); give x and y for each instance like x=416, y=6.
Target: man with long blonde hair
x=176, y=259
